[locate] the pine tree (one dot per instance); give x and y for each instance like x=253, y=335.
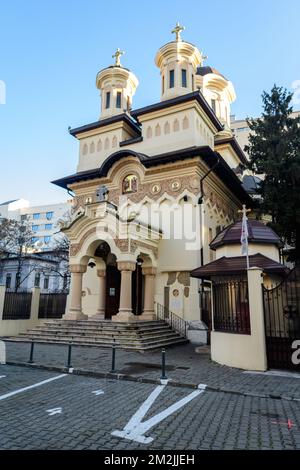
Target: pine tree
x=274, y=150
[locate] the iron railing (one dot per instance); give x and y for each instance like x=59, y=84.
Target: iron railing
x=231, y=306
x=177, y=323
x=282, y=320
x=17, y=305
x=52, y=305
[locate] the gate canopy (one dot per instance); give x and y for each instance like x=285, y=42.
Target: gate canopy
x=238, y=265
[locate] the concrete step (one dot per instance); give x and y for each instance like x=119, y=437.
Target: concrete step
x=100, y=331
x=119, y=339
x=139, y=336
x=139, y=347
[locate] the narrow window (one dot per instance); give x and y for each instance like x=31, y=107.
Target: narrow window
x=18, y=280
x=128, y=103
x=171, y=80
x=163, y=84
x=118, y=104
x=213, y=105
x=107, y=104
x=37, y=280
x=46, y=283
x=8, y=281
x=183, y=78
x=193, y=82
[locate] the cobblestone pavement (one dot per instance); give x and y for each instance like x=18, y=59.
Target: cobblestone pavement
x=211, y=420
x=184, y=366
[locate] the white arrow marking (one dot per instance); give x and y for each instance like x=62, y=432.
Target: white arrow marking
x=54, y=411
x=2, y=376
x=135, y=428
x=98, y=392
x=10, y=394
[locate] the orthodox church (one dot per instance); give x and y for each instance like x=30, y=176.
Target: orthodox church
x=153, y=188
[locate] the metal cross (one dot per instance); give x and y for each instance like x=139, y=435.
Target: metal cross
x=117, y=56
x=178, y=30
x=244, y=211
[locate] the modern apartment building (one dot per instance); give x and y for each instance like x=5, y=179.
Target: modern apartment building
x=241, y=129
x=43, y=220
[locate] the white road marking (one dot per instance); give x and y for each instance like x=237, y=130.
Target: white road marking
x=274, y=373
x=135, y=428
x=98, y=392
x=54, y=411
x=20, y=390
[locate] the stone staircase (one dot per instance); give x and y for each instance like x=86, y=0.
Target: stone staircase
x=139, y=336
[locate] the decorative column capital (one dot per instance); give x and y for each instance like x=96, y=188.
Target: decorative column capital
x=77, y=268
x=101, y=272
x=126, y=266
x=149, y=271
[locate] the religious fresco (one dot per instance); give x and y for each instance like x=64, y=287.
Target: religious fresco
x=129, y=184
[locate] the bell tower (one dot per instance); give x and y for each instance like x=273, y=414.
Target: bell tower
x=117, y=86
x=178, y=61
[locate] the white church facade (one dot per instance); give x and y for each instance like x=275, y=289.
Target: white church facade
x=153, y=188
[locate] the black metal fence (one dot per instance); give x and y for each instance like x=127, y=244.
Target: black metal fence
x=177, y=323
x=282, y=320
x=52, y=305
x=231, y=306
x=205, y=304
x=17, y=305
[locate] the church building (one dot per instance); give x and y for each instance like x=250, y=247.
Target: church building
x=152, y=189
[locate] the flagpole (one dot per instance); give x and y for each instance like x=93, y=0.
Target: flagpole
x=245, y=234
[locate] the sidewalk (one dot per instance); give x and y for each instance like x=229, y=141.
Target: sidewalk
x=184, y=367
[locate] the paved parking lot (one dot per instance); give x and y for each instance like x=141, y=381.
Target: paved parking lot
x=46, y=410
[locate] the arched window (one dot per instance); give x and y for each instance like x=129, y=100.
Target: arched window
x=157, y=130
x=114, y=141
x=92, y=147
x=129, y=184
x=149, y=132
x=176, y=125
x=185, y=123
x=85, y=149
x=106, y=143
x=167, y=128
x=99, y=145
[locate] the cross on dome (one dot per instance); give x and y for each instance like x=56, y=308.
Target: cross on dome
x=178, y=30
x=117, y=56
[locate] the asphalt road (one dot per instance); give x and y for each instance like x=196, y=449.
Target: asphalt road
x=45, y=410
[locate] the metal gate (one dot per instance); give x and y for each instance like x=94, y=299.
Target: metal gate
x=282, y=322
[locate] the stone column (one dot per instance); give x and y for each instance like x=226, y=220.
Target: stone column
x=125, y=308
x=101, y=273
x=75, y=308
x=148, y=312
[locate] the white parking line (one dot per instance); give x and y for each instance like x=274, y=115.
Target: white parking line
x=136, y=428
x=20, y=390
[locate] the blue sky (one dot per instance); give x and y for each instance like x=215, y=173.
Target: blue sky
x=50, y=52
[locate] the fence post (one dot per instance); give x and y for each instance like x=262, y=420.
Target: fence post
x=35, y=301
x=163, y=365
x=2, y=297
x=257, y=322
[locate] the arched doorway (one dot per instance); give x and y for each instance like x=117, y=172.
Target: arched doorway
x=113, y=283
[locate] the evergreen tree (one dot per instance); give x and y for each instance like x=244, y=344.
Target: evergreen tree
x=274, y=150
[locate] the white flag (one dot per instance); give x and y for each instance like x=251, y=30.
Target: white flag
x=244, y=235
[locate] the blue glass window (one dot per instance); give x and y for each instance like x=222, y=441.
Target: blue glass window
x=49, y=215
x=34, y=239
x=47, y=239
x=48, y=226
x=35, y=228
x=107, y=103
x=183, y=78
x=118, y=104
x=171, y=79
x=36, y=215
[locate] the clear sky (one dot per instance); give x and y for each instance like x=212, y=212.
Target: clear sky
x=51, y=50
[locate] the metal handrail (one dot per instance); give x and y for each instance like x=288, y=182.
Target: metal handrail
x=175, y=321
